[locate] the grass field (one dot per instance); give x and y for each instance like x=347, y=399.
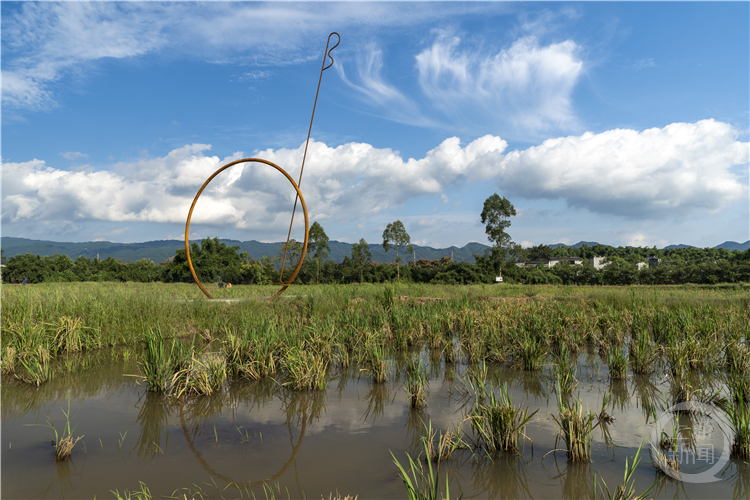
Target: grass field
x=186, y=345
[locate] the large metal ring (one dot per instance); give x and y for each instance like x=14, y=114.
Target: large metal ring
x=190, y=214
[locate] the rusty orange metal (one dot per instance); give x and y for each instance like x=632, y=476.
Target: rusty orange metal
x=298, y=197
x=200, y=191
x=326, y=55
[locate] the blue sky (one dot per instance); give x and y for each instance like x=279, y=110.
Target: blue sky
x=623, y=123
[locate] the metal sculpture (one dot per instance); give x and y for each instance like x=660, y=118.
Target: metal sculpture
x=298, y=197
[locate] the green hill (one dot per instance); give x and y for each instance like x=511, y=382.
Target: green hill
x=161, y=250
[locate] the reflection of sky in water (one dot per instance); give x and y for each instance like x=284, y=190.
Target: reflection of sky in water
x=317, y=443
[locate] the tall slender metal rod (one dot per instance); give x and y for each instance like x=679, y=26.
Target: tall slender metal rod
x=326, y=56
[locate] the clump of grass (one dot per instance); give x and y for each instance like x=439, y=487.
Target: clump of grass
x=204, y=375
x=618, y=365
x=662, y=462
x=8, y=361
x=422, y=484
x=738, y=412
x=498, y=424
x=529, y=352
x=576, y=427
x=603, y=416
x=566, y=371
x=642, y=354
x=251, y=357
x=375, y=363
x=626, y=491
x=474, y=348
x=440, y=446
x=160, y=364
x=417, y=386
x=37, y=367
x=143, y=494
x=69, y=336
x=737, y=355
x=65, y=442
x=306, y=368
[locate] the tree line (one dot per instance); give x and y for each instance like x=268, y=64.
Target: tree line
x=214, y=261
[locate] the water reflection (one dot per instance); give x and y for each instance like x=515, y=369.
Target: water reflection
x=61, y=484
x=647, y=395
x=504, y=477
x=378, y=398
x=577, y=481
x=620, y=395
x=154, y=417
x=740, y=479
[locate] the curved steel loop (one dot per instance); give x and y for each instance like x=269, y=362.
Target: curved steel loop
x=328, y=51
x=190, y=214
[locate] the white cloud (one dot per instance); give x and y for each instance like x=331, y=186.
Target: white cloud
x=43, y=42
x=656, y=173
x=375, y=90
x=343, y=183
x=73, y=155
x=525, y=86
x=47, y=40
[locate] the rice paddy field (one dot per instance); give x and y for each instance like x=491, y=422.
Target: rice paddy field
x=122, y=390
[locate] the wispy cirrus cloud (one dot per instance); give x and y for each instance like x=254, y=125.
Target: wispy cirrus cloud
x=375, y=90
x=526, y=87
x=45, y=42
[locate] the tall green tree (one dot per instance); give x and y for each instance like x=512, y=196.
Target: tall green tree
x=317, y=243
x=361, y=257
x=396, y=237
x=212, y=260
x=496, y=215
x=540, y=252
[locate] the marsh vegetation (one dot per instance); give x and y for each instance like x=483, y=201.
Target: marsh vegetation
x=465, y=379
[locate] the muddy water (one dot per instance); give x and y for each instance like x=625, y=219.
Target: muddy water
x=310, y=444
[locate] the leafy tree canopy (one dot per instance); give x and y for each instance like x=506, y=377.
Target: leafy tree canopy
x=396, y=237
x=496, y=215
x=317, y=242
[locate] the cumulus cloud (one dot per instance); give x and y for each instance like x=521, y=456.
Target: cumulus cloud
x=345, y=182
x=652, y=174
x=526, y=85
x=656, y=173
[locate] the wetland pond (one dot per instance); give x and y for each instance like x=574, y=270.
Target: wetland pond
x=308, y=444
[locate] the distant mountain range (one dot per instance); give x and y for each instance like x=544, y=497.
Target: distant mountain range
x=161, y=250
